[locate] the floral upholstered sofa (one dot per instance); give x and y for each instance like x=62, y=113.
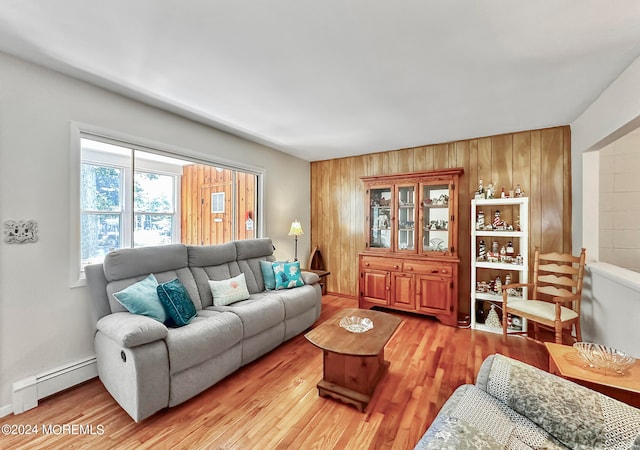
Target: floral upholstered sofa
x=516, y=406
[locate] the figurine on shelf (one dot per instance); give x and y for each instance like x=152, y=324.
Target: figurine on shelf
x=507, y=279
x=383, y=221
x=443, y=200
x=510, y=251
x=503, y=254
x=497, y=221
x=492, y=318
x=518, y=192
x=482, y=251
x=503, y=194
x=498, y=285
x=480, y=194
x=490, y=190
x=480, y=220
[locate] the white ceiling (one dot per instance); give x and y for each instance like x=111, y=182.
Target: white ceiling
x=329, y=78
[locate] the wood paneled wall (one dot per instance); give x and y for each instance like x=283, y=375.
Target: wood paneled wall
x=538, y=160
x=199, y=226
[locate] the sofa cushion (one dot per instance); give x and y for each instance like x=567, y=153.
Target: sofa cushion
x=229, y=291
x=142, y=298
x=268, y=275
x=253, y=274
x=287, y=275
x=253, y=248
x=177, y=302
x=298, y=301
x=202, y=275
x=184, y=275
x=260, y=312
x=202, y=339
x=132, y=262
x=546, y=310
x=211, y=255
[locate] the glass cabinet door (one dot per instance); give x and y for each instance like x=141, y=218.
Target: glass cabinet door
x=380, y=204
x=435, y=219
x=406, y=223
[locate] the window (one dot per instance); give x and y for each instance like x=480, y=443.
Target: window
x=135, y=196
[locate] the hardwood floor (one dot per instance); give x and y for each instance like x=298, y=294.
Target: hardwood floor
x=273, y=403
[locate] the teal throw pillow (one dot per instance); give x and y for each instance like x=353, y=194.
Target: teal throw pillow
x=229, y=291
x=177, y=302
x=287, y=275
x=266, y=267
x=142, y=298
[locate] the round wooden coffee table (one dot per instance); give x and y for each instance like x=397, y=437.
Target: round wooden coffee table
x=353, y=362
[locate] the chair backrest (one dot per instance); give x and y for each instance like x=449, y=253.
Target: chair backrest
x=558, y=275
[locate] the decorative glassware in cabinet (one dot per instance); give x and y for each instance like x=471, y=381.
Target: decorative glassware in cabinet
x=435, y=217
x=406, y=218
x=380, y=217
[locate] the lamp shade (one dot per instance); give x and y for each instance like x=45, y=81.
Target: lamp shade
x=296, y=228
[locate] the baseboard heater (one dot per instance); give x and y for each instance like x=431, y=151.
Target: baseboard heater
x=27, y=392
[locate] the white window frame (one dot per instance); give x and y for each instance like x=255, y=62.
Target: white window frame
x=82, y=130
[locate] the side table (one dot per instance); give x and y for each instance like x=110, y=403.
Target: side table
x=323, y=278
x=565, y=361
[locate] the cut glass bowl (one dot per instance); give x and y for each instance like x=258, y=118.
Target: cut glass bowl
x=356, y=324
x=605, y=358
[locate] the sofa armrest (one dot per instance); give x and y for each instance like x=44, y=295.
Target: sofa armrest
x=576, y=416
x=131, y=330
x=309, y=277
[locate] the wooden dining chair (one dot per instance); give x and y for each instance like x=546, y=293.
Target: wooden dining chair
x=553, y=296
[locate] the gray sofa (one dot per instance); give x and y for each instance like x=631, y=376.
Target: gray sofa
x=516, y=406
x=147, y=366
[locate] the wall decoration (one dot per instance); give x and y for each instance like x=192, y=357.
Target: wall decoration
x=20, y=231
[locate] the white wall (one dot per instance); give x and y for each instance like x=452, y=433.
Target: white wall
x=611, y=301
x=619, y=240
x=44, y=323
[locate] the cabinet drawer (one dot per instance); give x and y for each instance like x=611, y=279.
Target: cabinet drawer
x=427, y=268
x=381, y=264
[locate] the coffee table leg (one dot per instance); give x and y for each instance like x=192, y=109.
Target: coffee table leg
x=352, y=379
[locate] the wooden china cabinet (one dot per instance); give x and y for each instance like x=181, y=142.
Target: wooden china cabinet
x=411, y=259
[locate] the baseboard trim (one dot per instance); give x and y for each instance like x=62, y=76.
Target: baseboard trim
x=28, y=391
x=6, y=410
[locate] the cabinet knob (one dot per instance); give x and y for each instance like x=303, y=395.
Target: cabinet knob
x=366, y=264
x=409, y=268
x=396, y=267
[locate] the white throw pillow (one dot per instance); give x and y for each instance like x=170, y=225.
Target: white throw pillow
x=229, y=291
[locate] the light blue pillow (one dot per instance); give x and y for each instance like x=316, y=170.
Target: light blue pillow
x=266, y=267
x=287, y=275
x=177, y=302
x=142, y=298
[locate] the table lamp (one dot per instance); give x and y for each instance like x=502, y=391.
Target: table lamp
x=296, y=230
